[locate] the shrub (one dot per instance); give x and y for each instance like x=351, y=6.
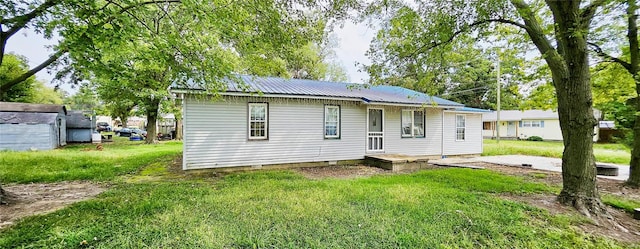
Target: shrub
x=534, y=138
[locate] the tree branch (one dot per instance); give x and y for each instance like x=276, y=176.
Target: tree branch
x=20, y=21
x=4, y=86
x=432, y=45
x=608, y=57
x=589, y=11
x=549, y=53
x=7, y=85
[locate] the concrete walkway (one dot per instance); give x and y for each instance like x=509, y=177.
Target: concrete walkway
x=537, y=162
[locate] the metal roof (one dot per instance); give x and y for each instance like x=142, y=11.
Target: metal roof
x=27, y=118
x=471, y=109
x=314, y=88
x=27, y=107
x=517, y=115
x=77, y=119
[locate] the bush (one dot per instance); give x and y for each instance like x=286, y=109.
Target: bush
x=534, y=138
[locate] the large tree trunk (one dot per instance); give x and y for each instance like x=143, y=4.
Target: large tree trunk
x=634, y=68
x=178, y=129
x=634, y=175
x=571, y=77
x=152, y=120
x=2, y=195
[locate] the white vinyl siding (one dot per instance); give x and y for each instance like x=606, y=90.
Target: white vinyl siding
x=258, y=121
x=461, y=127
x=216, y=133
x=430, y=145
x=472, y=144
x=412, y=123
x=332, y=121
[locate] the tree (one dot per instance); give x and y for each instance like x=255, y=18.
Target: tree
x=632, y=65
x=85, y=99
x=432, y=25
x=12, y=67
x=171, y=47
x=77, y=21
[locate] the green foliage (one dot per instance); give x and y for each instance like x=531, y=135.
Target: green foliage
x=85, y=99
x=405, y=53
x=281, y=209
x=31, y=90
x=534, y=138
x=75, y=163
x=543, y=97
x=12, y=66
x=607, y=153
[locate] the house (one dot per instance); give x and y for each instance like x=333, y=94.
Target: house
x=271, y=121
x=32, y=126
x=516, y=124
x=79, y=127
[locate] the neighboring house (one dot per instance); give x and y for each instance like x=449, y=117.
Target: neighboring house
x=32, y=126
x=516, y=124
x=79, y=127
x=608, y=132
x=283, y=121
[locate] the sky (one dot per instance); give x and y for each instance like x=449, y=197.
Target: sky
x=353, y=39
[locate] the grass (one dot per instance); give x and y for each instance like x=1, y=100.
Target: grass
x=444, y=208
x=606, y=153
x=449, y=208
x=627, y=205
x=82, y=162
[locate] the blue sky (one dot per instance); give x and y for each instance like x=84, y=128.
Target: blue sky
x=353, y=43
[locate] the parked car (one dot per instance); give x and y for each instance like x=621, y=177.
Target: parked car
x=103, y=126
x=125, y=132
x=140, y=132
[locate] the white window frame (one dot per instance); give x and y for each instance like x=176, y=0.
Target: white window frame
x=532, y=123
x=464, y=127
x=266, y=121
x=412, y=124
x=326, y=111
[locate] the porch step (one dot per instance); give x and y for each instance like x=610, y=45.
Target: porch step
x=397, y=162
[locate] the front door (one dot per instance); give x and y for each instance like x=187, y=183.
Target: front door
x=375, y=130
x=511, y=129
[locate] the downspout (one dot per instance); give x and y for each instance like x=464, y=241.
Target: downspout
x=184, y=138
x=442, y=155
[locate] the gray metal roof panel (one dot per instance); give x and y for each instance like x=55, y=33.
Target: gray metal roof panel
x=77, y=119
x=311, y=88
x=28, y=107
x=27, y=118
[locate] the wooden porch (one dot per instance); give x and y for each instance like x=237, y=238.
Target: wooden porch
x=398, y=162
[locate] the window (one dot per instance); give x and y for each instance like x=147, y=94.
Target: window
x=460, y=127
x=258, y=118
x=412, y=123
x=331, y=121
x=532, y=123
x=487, y=126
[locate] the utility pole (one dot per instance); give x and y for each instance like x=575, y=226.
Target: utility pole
x=498, y=103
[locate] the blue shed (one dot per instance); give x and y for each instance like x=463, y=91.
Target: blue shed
x=26, y=126
x=79, y=127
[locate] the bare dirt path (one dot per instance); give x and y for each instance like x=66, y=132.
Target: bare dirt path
x=41, y=198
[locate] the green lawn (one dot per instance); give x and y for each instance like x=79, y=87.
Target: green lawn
x=607, y=153
x=442, y=208
x=429, y=209
x=82, y=162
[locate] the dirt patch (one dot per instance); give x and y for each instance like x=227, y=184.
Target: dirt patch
x=614, y=228
x=621, y=228
x=41, y=198
x=341, y=172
